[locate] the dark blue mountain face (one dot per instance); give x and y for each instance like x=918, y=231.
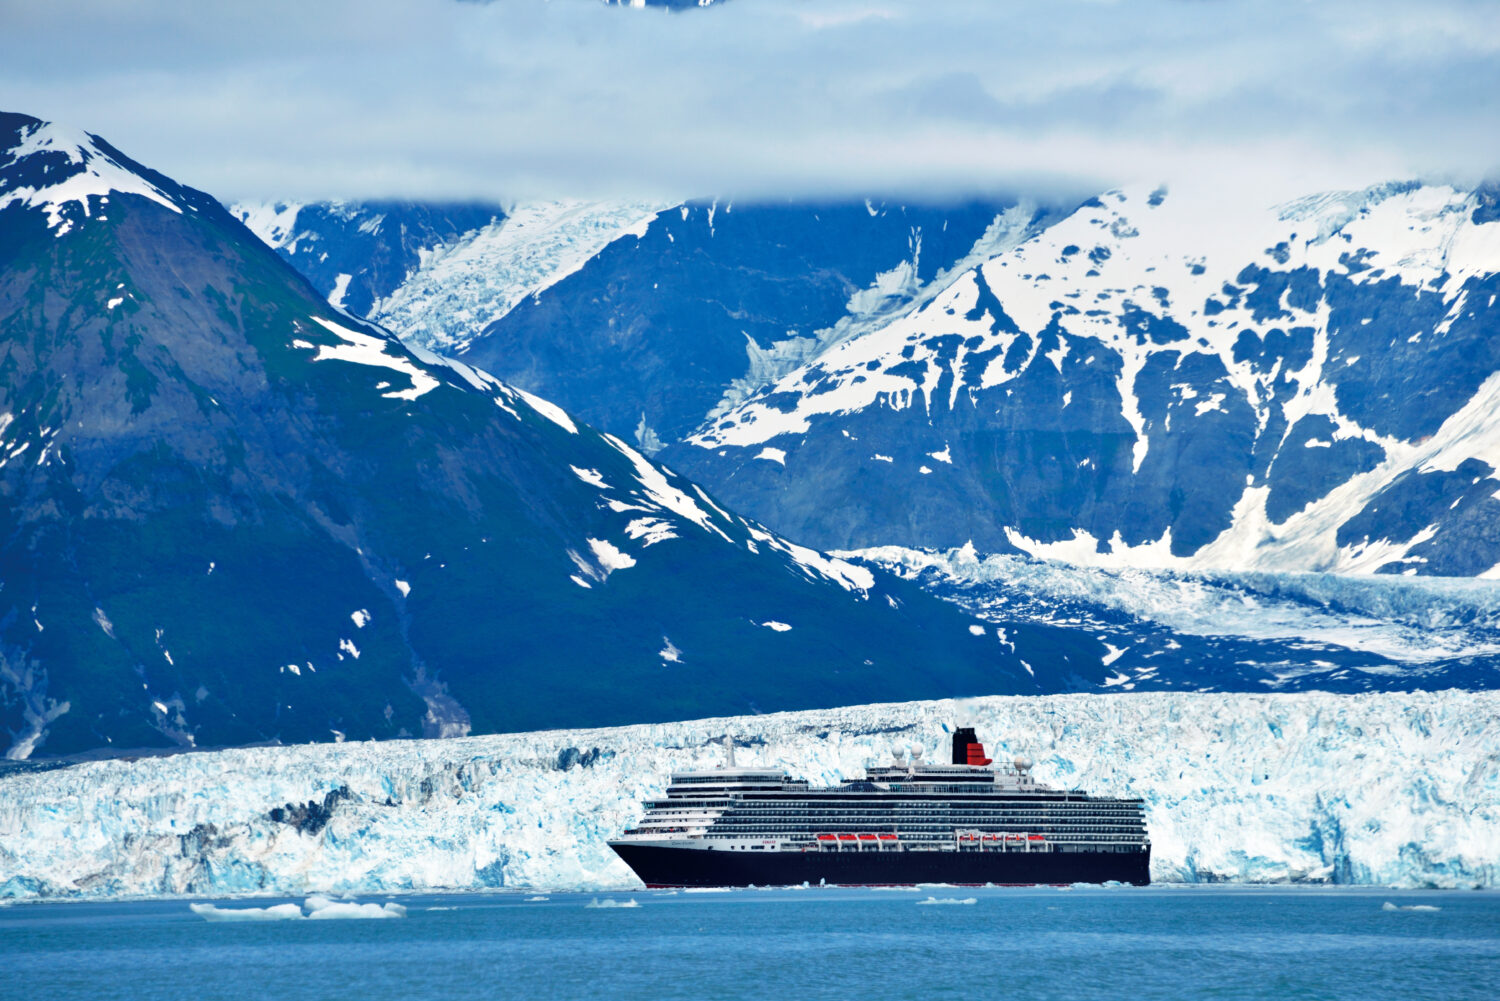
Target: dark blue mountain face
x=653, y=332
x=356, y=253
x=230, y=514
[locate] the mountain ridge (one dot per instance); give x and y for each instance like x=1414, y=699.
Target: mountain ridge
x=231, y=513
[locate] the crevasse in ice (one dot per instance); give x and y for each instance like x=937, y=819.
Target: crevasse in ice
x=1400, y=789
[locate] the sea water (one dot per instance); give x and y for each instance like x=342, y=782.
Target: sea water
x=931, y=942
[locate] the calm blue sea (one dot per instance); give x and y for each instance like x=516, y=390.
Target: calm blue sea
x=1032, y=944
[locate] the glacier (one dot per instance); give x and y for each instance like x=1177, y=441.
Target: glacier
x=1399, y=789
x=1405, y=620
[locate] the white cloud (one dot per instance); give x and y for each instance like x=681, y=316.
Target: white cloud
x=434, y=98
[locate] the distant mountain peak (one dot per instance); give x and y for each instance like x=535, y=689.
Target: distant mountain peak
x=61, y=171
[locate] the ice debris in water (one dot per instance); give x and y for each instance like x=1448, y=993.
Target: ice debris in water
x=608, y=902
x=278, y=912
x=321, y=908
x=318, y=907
x=1428, y=908
x=947, y=900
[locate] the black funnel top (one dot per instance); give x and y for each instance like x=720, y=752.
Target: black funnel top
x=962, y=738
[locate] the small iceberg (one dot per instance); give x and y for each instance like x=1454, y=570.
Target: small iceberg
x=610, y=902
x=532, y=900
x=1427, y=908
x=323, y=909
x=317, y=906
x=947, y=900
x=277, y=912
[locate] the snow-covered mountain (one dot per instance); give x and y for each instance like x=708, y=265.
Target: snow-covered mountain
x=1191, y=379
x=1183, y=379
x=234, y=514
x=644, y=318
x=709, y=302
x=1399, y=790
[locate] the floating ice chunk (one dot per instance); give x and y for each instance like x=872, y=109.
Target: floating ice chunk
x=1425, y=908
x=333, y=910
x=277, y=912
x=608, y=902
x=539, y=897
x=947, y=900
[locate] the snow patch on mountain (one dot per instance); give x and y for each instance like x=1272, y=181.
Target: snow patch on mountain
x=461, y=288
x=367, y=349
x=69, y=166
x=1398, y=790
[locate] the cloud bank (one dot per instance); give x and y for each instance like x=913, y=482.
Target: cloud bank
x=763, y=98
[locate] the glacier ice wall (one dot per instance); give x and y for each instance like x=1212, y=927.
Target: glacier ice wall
x=1393, y=788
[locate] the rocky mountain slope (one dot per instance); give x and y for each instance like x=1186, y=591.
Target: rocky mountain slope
x=230, y=513
x=1190, y=379
x=644, y=318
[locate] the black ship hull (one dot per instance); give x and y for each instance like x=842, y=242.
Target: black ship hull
x=688, y=867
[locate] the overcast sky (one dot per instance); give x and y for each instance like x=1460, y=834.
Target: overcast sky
x=519, y=98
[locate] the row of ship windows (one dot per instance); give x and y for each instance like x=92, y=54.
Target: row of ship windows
x=893, y=803
x=905, y=817
x=891, y=807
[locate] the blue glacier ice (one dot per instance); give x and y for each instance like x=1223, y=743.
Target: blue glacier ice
x=1399, y=789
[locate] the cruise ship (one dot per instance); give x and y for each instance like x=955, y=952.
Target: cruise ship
x=909, y=822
